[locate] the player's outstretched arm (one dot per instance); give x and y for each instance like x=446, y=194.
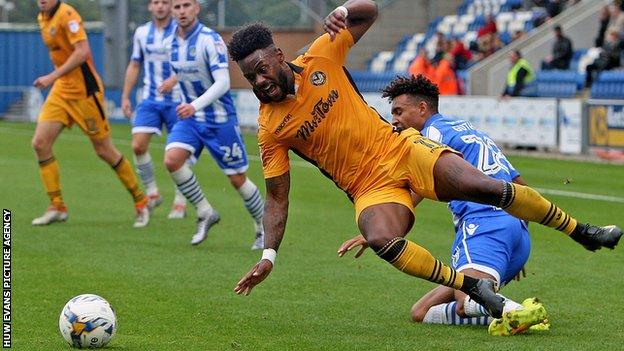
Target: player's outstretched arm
x=355, y=15
x=274, y=221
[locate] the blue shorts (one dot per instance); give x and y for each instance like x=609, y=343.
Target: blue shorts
x=151, y=115
x=224, y=142
x=499, y=246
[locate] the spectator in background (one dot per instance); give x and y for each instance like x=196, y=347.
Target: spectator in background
x=552, y=7
x=616, y=18
x=421, y=65
x=609, y=57
x=561, y=52
x=440, y=48
x=604, y=24
x=486, y=33
x=444, y=76
x=461, y=55
x=519, y=76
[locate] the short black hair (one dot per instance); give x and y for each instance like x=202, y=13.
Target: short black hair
x=418, y=86
x=248, y=39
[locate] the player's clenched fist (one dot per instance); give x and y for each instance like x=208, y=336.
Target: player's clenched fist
x=335, y=21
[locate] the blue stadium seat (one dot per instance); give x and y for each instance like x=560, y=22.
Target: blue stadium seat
x=611, y=76
x=558, y=83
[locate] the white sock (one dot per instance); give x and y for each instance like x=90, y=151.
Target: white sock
x=187, y=184
x=253, y=200
x=436, y=315
x=446, y=313
x=511, y=305
x=473, y=309
x=179, y=198
x=145, y=169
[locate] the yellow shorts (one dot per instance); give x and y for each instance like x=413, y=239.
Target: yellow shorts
x=88, y=113
x=409, y=168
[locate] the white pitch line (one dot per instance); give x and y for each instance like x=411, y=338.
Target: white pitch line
x=256, y=158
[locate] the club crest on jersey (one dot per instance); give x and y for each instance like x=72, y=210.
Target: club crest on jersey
x=318, y=78
x=52, y=31
x=192, y=51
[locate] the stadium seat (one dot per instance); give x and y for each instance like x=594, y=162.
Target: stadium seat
x=559, y=83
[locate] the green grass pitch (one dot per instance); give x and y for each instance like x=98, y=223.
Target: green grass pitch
x=171, y=296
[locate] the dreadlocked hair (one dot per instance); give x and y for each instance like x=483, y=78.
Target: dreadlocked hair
x=418, y=86
x=248, y=39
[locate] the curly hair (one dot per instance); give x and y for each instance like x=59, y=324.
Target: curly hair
x=248, y=39
x=418, y=86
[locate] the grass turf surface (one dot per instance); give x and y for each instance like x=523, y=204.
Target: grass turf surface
x=171, y=296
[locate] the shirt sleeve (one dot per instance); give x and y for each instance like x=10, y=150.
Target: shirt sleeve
x=275, y=161
x=216, y=53
x=73, y=27
x=137, y=50
x=434, y=134
x=336, y=50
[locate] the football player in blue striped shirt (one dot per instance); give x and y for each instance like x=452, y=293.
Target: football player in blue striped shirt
x=207, y=119
x=160, y=97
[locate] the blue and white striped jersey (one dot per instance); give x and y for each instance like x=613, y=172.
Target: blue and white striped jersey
x=479, y=150
x=149, y=48
x=193, y=60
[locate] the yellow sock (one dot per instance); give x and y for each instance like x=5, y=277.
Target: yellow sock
x=525, y=203
x=50, y=176
x=415, y=260
x=128, y=178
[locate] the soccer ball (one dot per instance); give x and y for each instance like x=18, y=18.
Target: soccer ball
x=87, y=321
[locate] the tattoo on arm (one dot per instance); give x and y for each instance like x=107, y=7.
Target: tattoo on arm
x=454, y=174
x=276, y=210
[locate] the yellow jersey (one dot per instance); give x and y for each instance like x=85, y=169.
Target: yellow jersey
x=329, y=124
x=60, y=31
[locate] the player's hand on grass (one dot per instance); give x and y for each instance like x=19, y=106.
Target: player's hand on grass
x=520, y=275
x=254, y=277
x=44, y=81
x=334, y=22
x=185, y=110
x=353, y=243
x=126, y=107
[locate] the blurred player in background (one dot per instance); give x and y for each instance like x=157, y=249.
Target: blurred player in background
x=489, y=242
x=77, y=96
x=160, y=97
x=207, y=119
x=310, y=106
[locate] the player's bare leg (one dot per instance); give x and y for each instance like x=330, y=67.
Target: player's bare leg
x=384, y=226
x=45, y=135
x=456, y=179
x=185, y=180
x=105, y=149
x=253, y=203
